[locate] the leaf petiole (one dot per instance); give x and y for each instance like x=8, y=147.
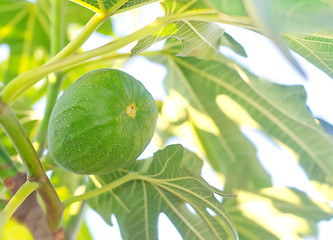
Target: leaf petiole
x=77, y=42
x=33, y=166
x=98, y=191
x=25, y=190
x=24, y=81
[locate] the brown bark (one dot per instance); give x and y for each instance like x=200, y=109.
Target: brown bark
x=30, y=212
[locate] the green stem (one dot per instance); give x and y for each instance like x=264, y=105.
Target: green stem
x=74, y=222
x=48, y=163
x=86, y=32
x=57, y=41
x=98, y=191
x=58, y=25
x=54, y=207
x=216, y=19
x=81, y=38
x=25, y=190
x=33, y=166
x=53, y=88
x=23, y=82
x=10, y=91
x=108, y=57
x=21, y=142
x=99, y=61
x=3, y=203
x=115, y=7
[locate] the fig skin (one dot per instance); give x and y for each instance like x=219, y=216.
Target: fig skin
x=101, y=123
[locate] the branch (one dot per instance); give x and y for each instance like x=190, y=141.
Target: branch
x=23, y=82
x=33, y=166
x=97, y=191
x=30, y=212
x=57, y=42
x=75, y=220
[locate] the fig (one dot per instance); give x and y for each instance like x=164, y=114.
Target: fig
x=102, y=122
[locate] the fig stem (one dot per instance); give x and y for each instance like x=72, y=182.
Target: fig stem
x=97, y=191
x=75, y=221
x=54, y=81
x=25, y=190
x=23, y=82
x=78, y=41
x=35, y=172
x=17, y=83
x=53, y=88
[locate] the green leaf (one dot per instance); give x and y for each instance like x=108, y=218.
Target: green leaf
x=131, y=4
x=301, y=20
x=260, y=12
x=15, y=230
x=234, y=7
x=24, y=28
x=256, y=214
x=317, y=49
x=230, y=42
x=29, y=120
x=302, y=16
x=110, y=6
x=279, y=110
x=200, y=39
x=78, y=15
x=288, y=16
x=7, y=167
x=166, y=187
x=172, y=7
x=99, y=6
x=84, y=233
x=248, y=228
x=66, y=181
x=213, y=133
x=327, y=126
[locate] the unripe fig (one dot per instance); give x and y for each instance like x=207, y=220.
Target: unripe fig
x=101, y=123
